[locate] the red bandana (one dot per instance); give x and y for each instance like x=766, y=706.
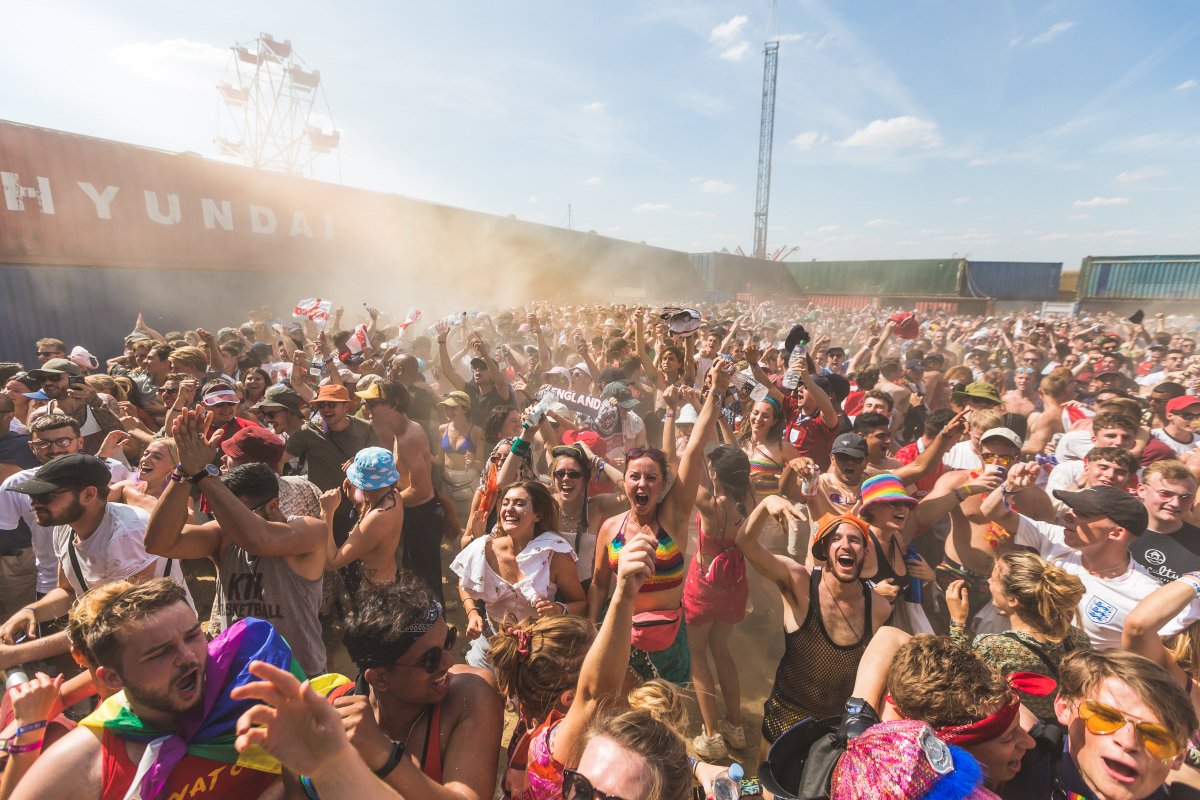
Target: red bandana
x=997, y=724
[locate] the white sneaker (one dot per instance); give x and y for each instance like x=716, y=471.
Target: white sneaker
x=710, y=747
x=734, y=737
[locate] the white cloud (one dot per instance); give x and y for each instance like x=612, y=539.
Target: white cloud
x=533, y=198
x=895, y=134
x=879, y=223
x=1052, y=33
x=1123, y=233
x=1016, y=40
x=1052, y=237
x=1133, y=176
x=728, y=38
x=595, y=107
x=1101, y=201
x=1187, y=85
x=728, y=32
x=829, y=228
x=651, y=208
x=174, y=61
x=961, y=201
x=593, y=181
x=808, y=139
x=716, y=187
x=737, y=52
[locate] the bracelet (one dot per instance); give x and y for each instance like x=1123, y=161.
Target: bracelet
x=957, y=494
x=668, y=415
x=17, y=749
x=476, y=610
x=30, y=728
x=566, y=611
x=393, y=760
x=1192, y=582
x=695, y=763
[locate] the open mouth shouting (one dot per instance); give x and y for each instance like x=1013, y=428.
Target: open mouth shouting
x=189, y=682
x=640, y=498
x=1121, y=771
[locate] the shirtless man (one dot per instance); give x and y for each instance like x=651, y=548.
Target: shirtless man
x=937, y=388
x=970, y=548
x=1055, y=390
x=268, y=566
x=371, y=480
x=891, y=380
x=831, y=635
x=424, y=517
x=1024, y=398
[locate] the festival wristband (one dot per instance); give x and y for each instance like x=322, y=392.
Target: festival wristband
x=30, y=728
x=17, y=749
x=1192, y=582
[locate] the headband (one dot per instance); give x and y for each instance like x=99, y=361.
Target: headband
x=995, y=725
x=774, y=404
x=386, y=653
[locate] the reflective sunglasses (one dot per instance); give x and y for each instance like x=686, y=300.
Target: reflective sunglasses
x=996, y=458
x=573, y=474
x=577, y=787
x=1104, y=720
x=1024, y=369
x=432, y=660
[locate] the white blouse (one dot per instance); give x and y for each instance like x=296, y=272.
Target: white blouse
x=480, y=581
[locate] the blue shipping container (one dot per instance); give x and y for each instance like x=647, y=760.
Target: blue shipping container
x=1140, y=278
x=1013, y=280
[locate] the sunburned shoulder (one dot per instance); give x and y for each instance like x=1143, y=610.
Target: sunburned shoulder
x=72, y=769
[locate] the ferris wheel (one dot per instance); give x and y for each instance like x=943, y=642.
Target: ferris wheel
x=278, y=112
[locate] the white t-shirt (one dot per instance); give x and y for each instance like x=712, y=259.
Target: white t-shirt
x=115, y=551
x=1179, y=447
x=1106, y=601
x=1074, y=445
x=1064, y=476
x=15, y=507
x=962, y=456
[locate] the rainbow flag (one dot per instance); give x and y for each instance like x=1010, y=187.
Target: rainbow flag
x=209, y=731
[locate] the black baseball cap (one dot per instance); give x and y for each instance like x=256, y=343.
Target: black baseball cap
x=850, y=444
x=1121, y=507
x=74, y=471
x=479, y=363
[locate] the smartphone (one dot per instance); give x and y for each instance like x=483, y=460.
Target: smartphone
x=75, y=380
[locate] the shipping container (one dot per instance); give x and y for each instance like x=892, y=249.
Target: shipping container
x=1139, y=278
x=727, y=272
x=903, y=278
x=1013, y=280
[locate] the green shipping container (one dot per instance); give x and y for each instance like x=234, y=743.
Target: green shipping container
x=926, y=277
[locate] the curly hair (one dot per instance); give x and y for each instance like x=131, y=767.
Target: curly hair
x=941, y=682
x=1047, y=596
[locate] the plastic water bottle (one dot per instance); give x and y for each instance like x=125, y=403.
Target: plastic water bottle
x=728, y=785
x=791, y=378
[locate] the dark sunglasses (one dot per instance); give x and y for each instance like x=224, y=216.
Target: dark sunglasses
x=1188, y=415
x=46, y=498
x=573, y=474
x=51, y=354
x=432, y=660
x=637, y=452
x=322, y=406
x=577, y=787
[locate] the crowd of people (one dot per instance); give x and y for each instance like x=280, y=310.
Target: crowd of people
x=532, y=553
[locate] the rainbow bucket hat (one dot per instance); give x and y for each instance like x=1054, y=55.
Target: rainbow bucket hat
x=882, y=488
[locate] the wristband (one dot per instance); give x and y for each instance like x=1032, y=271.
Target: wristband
x=393, y=760
x=668, y=415
x=563, y=606
x=1192, y=582
x=968, y=490
x=476, y=610
x=17, y=749
x=957, y=494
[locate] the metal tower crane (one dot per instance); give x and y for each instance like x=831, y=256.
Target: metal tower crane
x=766, y=135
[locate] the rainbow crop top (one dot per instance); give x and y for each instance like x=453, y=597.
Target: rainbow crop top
x=668, y=560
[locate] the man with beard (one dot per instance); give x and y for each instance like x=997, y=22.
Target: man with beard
x=63, y=385
x=329, y=443
x=148, y=643
x=424, y=517
x=829, y=615
x=95, y=542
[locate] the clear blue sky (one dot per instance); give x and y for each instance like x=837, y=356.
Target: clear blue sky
x=1007, y=131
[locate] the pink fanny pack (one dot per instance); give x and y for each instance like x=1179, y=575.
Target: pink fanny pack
x=655, y=631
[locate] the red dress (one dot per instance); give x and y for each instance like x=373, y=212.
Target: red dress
x=717, y=589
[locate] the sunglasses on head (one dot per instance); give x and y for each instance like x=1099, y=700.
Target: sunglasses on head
x=1104, y=720
x=637, y=452
x=577, y=787
x=432, y=660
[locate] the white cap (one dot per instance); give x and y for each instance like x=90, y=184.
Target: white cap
x=1007, y=434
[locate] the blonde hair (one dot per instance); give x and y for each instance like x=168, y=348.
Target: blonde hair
x=1184, y=648
x=662, y=701
x=669, y=774
x=168, y=443
x=984, y=419
x=1047, y=596
x=192, y=356
x=111, y=609
x=1168, y=469
x=106, y=384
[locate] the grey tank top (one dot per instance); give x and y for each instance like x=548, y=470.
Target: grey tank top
x=268, y=588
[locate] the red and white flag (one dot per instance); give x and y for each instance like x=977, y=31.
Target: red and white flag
x=414, y=314
x=358, y=341
x=314, y=309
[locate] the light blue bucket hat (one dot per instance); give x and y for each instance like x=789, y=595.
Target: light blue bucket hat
x=373, y=468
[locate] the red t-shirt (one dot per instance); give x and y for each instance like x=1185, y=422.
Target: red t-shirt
x=907, y=455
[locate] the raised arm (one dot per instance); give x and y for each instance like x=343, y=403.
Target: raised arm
x=774, y=568
x=682, y=496
x=168, y=533
x=444, y=363
x=917, y=469
x=607, y=662
x=1152, y=614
